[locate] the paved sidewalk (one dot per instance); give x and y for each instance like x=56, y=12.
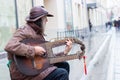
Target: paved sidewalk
x=117, y=57
x=93, y=43
x=4, y=71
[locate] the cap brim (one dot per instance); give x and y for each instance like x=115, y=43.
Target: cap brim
x=32, y=20
x=50, y=15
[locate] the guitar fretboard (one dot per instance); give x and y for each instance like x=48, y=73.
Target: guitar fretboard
x=64, y=58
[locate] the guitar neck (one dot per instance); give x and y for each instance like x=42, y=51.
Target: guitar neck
x=63, y=58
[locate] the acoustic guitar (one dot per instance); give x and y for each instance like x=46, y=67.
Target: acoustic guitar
x=36, y=65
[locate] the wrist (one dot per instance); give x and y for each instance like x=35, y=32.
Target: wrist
x=65, y=52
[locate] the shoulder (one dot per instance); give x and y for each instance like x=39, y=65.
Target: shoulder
x=24, y=31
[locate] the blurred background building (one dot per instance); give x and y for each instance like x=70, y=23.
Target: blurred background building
x=68, y=15
x=86, y=20
x=83, y=19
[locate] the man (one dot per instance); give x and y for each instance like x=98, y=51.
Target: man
x=34, y=28
x=90, y=25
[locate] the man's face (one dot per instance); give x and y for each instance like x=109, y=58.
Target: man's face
x=44, y=21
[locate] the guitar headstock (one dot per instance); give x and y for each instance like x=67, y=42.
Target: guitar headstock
x=79, y=54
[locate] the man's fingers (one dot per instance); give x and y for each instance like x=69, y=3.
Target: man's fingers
x=39, y=50
x=68, y=42
x=43, y=50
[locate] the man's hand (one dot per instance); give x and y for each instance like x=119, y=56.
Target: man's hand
x=68, y=46
x=39, y=50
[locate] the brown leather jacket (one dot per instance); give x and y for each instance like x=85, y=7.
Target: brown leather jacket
x=15, y=47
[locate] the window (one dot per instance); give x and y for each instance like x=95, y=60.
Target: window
x=68, y=14
x=7, y=21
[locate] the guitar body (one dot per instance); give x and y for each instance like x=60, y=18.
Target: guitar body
x=31, y=67
x=36, y=65
x=28, y=66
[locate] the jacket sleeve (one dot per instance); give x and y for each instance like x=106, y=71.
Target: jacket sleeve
x=14, y=46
